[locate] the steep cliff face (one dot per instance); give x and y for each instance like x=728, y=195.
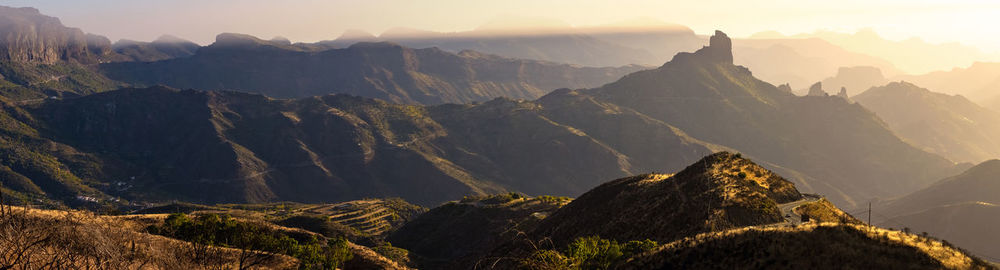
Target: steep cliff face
x=27, y=36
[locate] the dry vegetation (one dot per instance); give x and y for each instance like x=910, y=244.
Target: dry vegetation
x=824, y=211
x=812, y=246
x=47, y=239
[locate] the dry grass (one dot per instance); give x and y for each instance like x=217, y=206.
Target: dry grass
x=811, y=245
x=824, y=211
x=50, y=239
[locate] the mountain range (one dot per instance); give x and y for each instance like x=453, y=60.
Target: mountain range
x=980, y=82
x=804, y=60
x=949, y=125
x=306, y=142
x=913, y=55
x=159, y=143
x=379, y=70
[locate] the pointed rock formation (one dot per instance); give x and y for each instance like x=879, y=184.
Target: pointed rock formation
x=719, y=50
x=816, y=90
x=785, y=87
x=843, y=93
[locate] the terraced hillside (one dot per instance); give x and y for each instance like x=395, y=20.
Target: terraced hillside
x=366, y=221
x=373, y=217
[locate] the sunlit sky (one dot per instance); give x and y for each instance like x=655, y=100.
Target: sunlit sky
x=971, y=22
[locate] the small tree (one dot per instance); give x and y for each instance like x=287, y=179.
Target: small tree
x=594, y=252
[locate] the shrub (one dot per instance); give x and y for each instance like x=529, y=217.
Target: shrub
x=635, y=247
x=256, y=242
x=588, y=253
x=594, y=252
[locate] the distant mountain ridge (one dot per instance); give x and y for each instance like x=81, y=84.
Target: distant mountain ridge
x=951, y=126
x=163, y=48
x=379, y=70
x=913, y=55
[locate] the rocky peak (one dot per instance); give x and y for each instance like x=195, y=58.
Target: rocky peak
x=234, y=39
x=28, y=36
x=842, y=93
x=719, y=50
x=720, y=47
x=785, y=87
x=816, y=90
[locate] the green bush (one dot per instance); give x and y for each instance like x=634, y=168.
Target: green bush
x=594, y=252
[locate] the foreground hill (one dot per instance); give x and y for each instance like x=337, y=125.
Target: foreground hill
x=80, y=239
x=719, y=192
x=461, y=233
x=722, y=204
x=814, y=246
x=377, y=70
x=961, y=209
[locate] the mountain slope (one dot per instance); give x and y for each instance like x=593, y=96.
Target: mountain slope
x=378, y=70
x=977, y=184
x=39, y=57
x=951, y=126
x=979, y=81
x=970, y=225
x=961, y=209
x=237, y=147
x=826, y=138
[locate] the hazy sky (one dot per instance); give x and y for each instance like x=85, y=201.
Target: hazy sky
x=971, y=22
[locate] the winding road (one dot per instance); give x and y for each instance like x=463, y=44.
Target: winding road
x=792, y=218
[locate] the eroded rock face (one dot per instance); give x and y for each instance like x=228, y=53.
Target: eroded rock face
x=27, y=36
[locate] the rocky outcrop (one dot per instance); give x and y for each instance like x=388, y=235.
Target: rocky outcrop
x=27, y=36
x=719, y=50
x=816, y=90
x=843, y=93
